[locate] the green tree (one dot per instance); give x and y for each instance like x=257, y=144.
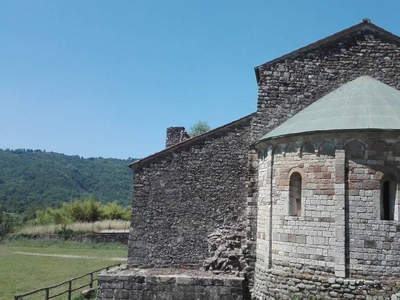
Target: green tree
x=199, y=128
x=37, y=179
x=84, y=209
x=113, y=211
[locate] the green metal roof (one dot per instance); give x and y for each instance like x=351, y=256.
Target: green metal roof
x=364, y=103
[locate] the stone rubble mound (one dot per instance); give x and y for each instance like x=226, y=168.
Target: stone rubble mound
x=225, y=249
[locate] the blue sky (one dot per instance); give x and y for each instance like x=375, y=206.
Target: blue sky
x=106, y=78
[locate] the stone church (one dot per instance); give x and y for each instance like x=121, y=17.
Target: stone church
x=298, y=200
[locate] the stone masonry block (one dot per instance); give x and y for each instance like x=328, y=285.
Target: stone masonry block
x=184, y=280
x=121, y=294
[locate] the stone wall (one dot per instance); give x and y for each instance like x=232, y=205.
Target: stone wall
x=168, y=284
x=286, y=283
x=190, y=190
x=340, y=231
x=310, y=238
x=251, y=215
x=374, y=243
x=118, y=237
x=292, y=82
x=185, y=193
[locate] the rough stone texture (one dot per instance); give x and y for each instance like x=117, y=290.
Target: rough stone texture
x=286, y=86
x=340, y=231
x=374, y=248
x=225, y=251
x=251, y=216
x=175, y=135
x=186, y=193
x=284, y=283
x=169, y=284
x=291, y=83
x=300, y=240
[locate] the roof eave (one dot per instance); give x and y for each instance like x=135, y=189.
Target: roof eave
x=270, y=140
x=364, y=24
x=136, y=164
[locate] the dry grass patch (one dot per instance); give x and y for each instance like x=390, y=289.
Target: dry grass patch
x=76, y=227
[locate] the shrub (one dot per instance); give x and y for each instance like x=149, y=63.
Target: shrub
x=85, y=209
x=113, y=211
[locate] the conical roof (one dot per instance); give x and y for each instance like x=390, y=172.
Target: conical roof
x=364, y=103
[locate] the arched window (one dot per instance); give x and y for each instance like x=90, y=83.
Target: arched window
x=388, y=196
x=355, y=149
x=379, y=146
x=307, y=148
x=295, y=194
x=327, y=148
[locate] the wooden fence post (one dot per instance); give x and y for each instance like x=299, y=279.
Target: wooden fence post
x=91, y=280
x=47, y=294
x=69, y=289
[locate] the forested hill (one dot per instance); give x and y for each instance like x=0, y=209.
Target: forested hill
x=31, y=179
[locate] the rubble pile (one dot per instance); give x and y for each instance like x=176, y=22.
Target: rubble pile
x=225, y=249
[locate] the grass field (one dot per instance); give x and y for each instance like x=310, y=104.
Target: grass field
x=26, y=265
